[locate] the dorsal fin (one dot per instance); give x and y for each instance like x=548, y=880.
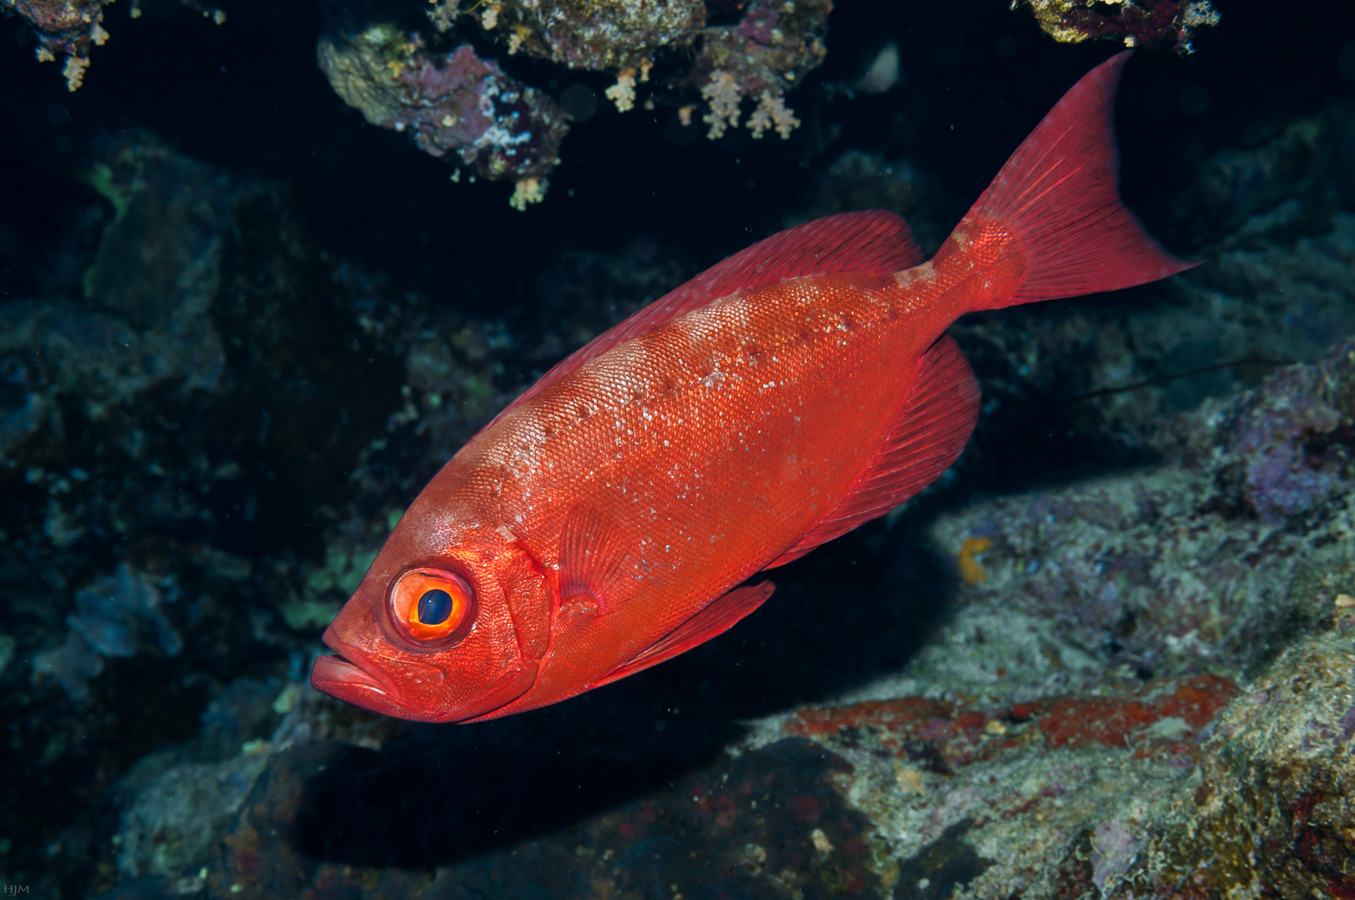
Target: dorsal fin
x=876, y=242
x=593, y=547
x=928, y=433
x=717, y=618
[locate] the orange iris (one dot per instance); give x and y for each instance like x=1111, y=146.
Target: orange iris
x=431, y=604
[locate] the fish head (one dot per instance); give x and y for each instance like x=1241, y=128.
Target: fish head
x=447, y=625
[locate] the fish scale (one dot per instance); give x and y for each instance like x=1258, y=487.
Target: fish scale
x=713, y=463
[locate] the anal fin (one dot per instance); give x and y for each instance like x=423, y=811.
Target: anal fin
x=717, y=618
x=926, y=436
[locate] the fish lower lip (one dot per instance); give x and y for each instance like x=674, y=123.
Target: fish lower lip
x=335, y=670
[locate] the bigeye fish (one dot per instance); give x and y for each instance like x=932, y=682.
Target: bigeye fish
x=608, y=519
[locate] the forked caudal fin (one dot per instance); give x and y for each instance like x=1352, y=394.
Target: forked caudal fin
x=1058, y=196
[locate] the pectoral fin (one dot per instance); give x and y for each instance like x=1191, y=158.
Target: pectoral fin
x=715, y=619
x=928, y=433
x=593, y=550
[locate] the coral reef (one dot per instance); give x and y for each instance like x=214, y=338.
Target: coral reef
x=766, y=53
x=1135, y=22
x=453, y=102
x=1271, y=805
x=1288, y=443
x=68, y=29
x=65, y=29
x=615, y=35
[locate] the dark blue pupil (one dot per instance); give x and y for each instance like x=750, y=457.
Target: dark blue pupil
x=435, y=607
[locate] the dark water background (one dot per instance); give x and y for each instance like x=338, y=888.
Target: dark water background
x=364, y=224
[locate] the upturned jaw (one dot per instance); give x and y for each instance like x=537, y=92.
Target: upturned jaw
x=346, y=678
x=398, y=685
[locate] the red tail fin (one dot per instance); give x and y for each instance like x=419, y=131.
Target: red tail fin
x=1059, y=196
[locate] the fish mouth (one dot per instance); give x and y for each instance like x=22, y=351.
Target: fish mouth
x=344, y=675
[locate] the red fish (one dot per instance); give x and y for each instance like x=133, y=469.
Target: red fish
x=607, y=519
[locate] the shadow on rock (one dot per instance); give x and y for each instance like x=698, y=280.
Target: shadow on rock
x=419, y=822
x=434, y=799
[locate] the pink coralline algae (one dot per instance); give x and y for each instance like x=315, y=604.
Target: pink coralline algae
x=948, y=734
x=1136, y=22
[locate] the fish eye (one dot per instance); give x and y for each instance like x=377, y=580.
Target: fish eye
x=435, y=607
x=432, y=605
